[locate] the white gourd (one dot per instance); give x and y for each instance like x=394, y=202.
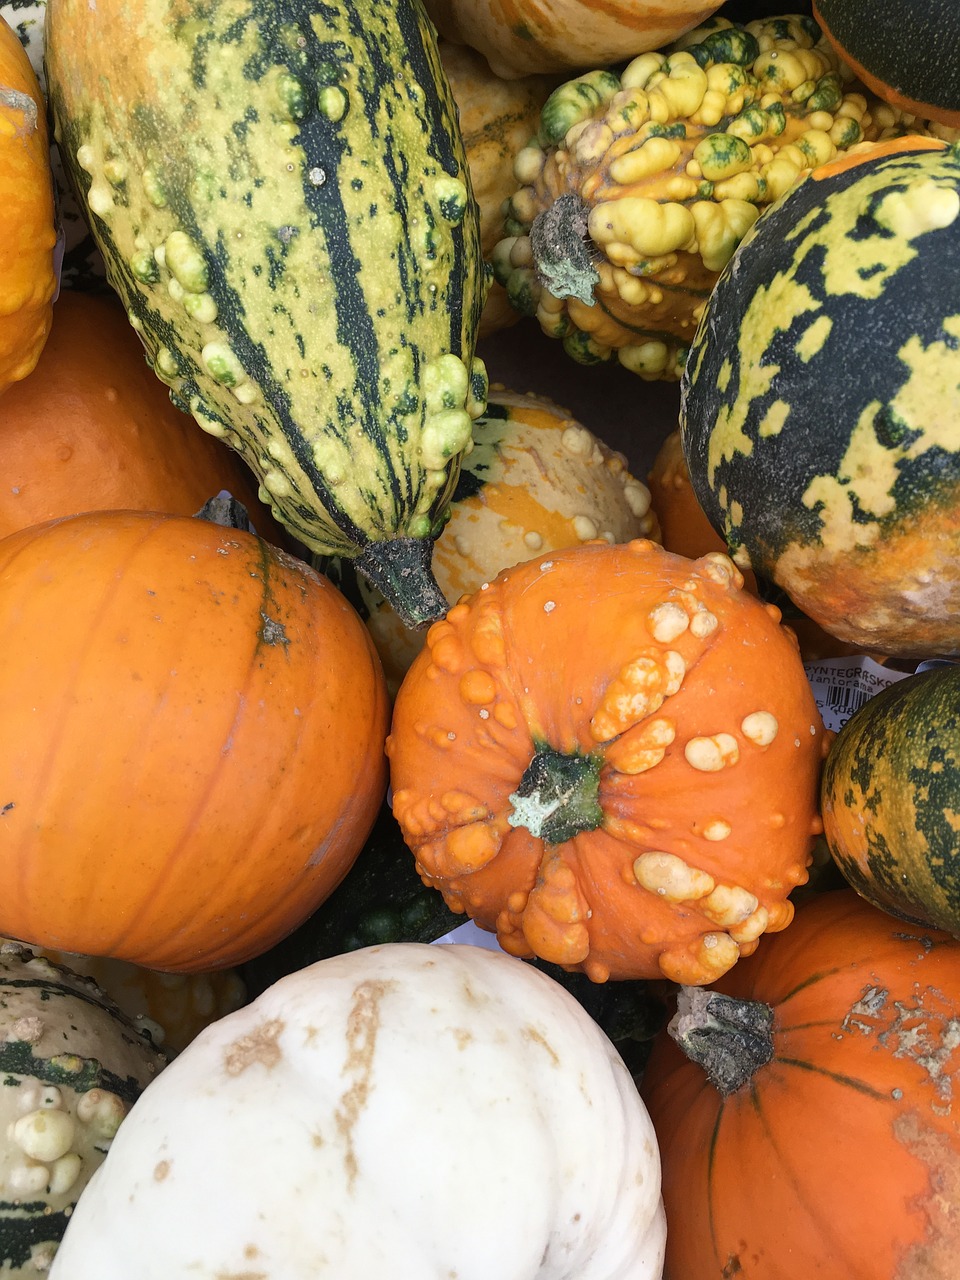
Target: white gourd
x=403, y=1112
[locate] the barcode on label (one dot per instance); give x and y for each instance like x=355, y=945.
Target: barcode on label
x=845, y=699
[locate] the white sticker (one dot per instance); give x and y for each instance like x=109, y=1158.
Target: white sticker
x=842, y=685
x=472, y=935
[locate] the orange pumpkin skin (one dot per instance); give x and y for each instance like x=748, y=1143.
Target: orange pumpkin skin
x=193, y=725
x=518, y=37
x=27, y=235
x=839, y=1159
x=92, y=429
x=686, y=712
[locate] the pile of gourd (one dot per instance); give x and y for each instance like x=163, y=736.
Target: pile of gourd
x=317, y=645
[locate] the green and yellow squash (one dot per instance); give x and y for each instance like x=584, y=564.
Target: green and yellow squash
x=281, y=196
x=497, y=118
x=644, y=178
x=820, y=406
x=71, y=1066
x=891, y=796
x=909, y=54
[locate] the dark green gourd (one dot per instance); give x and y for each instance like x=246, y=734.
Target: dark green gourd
x=282, y=198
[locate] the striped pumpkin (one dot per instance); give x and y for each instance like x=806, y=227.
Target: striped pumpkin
x=891, y=788
x=283, y=201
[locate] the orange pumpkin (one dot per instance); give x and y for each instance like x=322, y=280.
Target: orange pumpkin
x=610, y=757
x=193, y=726
x=27, y=234
x=92, y=428
x=829, y=1146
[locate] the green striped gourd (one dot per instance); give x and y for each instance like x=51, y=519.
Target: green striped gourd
x=71, y=1066
x=282, y=198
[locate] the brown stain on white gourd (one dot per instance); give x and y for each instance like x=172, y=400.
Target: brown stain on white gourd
x=257, y=1046
x=363, y=1025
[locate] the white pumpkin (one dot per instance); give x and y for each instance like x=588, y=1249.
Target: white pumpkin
x=403, y=1112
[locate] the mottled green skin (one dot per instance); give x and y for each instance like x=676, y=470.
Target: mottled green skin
x=820, y=403
x=891, y=799
x=282, y=198
x=913, y=48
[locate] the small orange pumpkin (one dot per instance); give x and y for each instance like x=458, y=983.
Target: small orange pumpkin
x=92, y=428
x=826, y=1143
x=193, y=726
x=610, y=757
x=27, y=233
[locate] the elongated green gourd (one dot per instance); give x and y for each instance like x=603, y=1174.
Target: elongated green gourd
x=280, y=192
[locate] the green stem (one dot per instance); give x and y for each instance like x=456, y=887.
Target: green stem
x=400, y=570
x=558, y=796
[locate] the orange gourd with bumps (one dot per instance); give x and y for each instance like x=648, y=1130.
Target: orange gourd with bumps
x=610, y=757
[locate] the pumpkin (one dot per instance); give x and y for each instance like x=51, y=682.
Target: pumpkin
x=890, y=787
x=194, y=724
x=497, y=117
x=27, y=235
x=609, y=756
x=536, y=480
x=71, y=1066
x=909, y=55
x=93, y=428
x=643, y=180
x=305, y=269
x=813, y=1131
x=522, y=36
x=81, y=266
x=442, y=1111
x=847, y=498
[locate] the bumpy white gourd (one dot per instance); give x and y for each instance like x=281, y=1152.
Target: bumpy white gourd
x=404, y=1112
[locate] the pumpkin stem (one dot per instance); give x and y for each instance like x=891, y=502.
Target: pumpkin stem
x=731, y=1039
x=558, y=796
x=558, y=238
x=400, y=570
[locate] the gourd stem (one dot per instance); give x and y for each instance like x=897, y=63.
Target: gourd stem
x=558, y=796
x=731, y=1039
x=400, y=570
x=559, y=240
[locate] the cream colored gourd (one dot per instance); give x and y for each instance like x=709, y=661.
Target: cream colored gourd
x=71, y=1066
x=536, y=480
x=405, y=1112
